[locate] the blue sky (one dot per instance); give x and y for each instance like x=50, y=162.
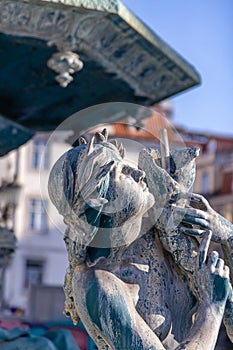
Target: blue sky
x=201, y=31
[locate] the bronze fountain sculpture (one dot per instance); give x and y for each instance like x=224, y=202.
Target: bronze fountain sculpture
x=140, y=273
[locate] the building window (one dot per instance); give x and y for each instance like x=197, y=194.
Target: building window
x=205, y=183
x=33, y=272
x=227, y=184
x=40, y=155
x=37, y=215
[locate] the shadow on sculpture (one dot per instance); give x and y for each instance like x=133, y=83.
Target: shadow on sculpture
x=140, y=273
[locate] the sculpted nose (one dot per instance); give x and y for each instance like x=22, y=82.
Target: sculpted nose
x=138, y=175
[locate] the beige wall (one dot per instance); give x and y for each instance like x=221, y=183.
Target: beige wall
x=205, y=165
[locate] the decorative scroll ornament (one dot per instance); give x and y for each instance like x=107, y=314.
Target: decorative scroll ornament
x=65, y=63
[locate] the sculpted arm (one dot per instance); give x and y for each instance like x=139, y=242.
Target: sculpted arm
x=203, y=217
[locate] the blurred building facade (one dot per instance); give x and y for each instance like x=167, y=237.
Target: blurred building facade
x=40, y=257
x=214, y=177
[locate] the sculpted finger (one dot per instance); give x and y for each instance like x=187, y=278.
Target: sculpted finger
x=196, y=200
x=213, y=259
x=192, y=231
x=203, y=251
x=201, y=223
x=191, y=212
x=226, y=272
x=220, y=266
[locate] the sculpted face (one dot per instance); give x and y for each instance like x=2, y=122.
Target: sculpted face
x=121, y=193
x=128, y=196
x=118, y=221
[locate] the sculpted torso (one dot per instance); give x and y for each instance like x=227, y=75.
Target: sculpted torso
x=161, y=294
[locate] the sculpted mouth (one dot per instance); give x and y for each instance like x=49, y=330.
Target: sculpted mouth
x=144, y=185
x=145, y=181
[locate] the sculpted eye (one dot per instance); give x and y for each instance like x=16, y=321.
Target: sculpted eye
x=126, y=170
x=137, y=174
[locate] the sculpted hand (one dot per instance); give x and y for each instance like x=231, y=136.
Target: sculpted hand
x=212, y=288
x=200, y=217
x=211, y=278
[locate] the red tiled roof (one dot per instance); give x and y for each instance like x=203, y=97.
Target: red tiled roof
x=150, y=130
